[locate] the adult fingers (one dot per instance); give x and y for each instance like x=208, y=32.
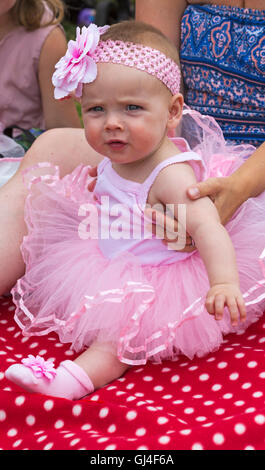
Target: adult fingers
x=209, y=187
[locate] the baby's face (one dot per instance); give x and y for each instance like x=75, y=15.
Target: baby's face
x=125, y=113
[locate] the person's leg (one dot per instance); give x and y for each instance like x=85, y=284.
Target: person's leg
x=66, y=148
x=94, y=368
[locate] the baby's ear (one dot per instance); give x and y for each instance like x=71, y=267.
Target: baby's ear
x=175, y=110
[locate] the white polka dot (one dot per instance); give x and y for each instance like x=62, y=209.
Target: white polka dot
x=30, y=420
x=2, y=415
x=222, y=365
x=130, y=386
x=77, y=410
x=259, y=419
x=59, y=424
x=204, y=377
x=174, y=378
x=216, y=387
x=208, y=403
x=131, y=415
x=48, y=405
x=252, y=364
x=112, y=428
x=102, y=439
x=158, y=388
x=162, y=420
x=74, y=442
x=148, y=378
x=104, y=412
x=219, y=411
x=94, y=397
x=12, y=432
x=262, y=375
x=189, y=411
x=239, y=403
x=201, y=418
x=17, y=443
x=86, y=427
x=250, y=410
x=197, y=446
x=20, y=400
x=257, y=394
x=42, y=438
x=167, y=397
x=226, y=396
x=164, y=439
x=239, y=355
x=218, y=438
x=249, y=448
x=140, y=432
x=185, y=432
x=246, y=385
x=111, y=447
x=240, y=428
x=234, y=376
x=48, y=446
x=187, y=388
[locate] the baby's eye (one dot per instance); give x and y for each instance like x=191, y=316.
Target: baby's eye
x=96, y=109
x=133, y=107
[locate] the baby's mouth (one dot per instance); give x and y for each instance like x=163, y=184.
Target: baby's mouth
x=116, y=144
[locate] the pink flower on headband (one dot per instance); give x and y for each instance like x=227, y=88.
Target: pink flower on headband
x=77, y=66
x=40, y=367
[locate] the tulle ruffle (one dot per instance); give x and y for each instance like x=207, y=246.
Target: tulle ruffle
x=143, y=312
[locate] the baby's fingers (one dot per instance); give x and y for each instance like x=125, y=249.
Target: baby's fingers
x=233, y=309
x=215, y=305
x=242, y=308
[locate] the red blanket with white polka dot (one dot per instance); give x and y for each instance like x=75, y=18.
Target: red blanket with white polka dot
x=215, y=402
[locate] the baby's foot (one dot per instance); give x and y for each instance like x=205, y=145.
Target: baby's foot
x=38, y=376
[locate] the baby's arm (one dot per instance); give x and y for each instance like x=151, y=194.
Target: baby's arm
x=211, y=239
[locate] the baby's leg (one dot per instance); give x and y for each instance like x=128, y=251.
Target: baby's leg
x=93, y=369
x=66, y=148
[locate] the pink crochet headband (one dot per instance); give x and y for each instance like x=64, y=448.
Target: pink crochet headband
x=78, y=66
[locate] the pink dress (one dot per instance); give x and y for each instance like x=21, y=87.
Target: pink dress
x=20, y=96
x=132, y=294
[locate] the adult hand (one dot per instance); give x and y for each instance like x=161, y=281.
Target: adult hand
x=168, y=230
x=223, y=192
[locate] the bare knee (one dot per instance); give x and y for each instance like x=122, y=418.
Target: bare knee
x=65, y=147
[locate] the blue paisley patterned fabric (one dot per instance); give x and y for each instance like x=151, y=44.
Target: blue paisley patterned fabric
x=223, y=64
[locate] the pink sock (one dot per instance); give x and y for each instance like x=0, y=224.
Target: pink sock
x=70, y=381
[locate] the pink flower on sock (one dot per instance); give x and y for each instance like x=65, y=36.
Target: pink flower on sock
x=40, y=367
x=77, y=66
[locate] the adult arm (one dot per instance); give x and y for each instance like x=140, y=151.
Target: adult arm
x=230, y=192
x=56, y=113
x=163, y=14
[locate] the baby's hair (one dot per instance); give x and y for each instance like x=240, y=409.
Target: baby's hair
x=29, y=13
x=142, y=33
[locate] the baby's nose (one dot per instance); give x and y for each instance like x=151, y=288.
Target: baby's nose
x=113, y=121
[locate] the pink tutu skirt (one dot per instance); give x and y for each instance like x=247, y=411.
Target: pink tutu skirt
x=143, y=312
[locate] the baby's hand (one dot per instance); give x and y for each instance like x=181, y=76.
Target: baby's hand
x=226, y=295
